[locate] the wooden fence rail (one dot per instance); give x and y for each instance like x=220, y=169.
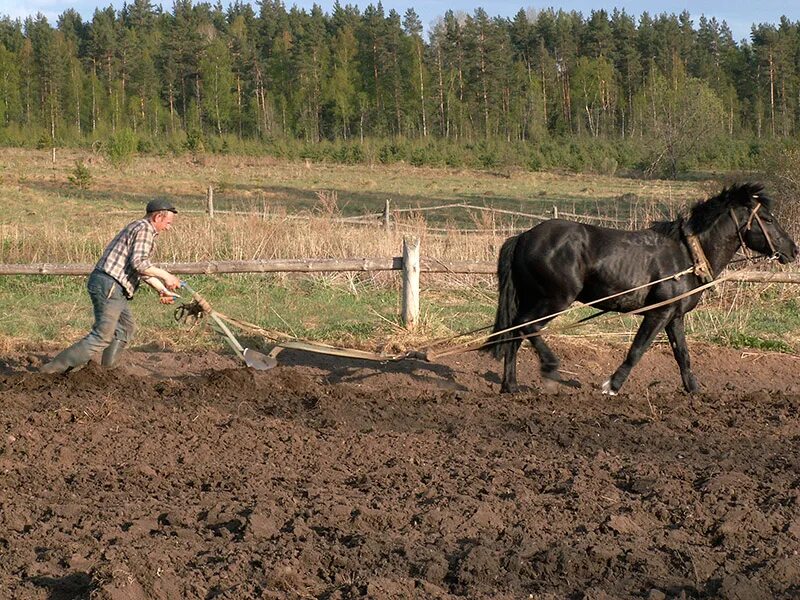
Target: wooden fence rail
x=300, y=265
x=321, y=265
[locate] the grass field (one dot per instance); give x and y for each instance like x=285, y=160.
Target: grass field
x=46, y=219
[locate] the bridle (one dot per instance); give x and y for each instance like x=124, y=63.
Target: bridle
x=747, y=226
x=702, y=268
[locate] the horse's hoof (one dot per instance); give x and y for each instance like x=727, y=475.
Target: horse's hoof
x=556, y=376
x=509, y=389
x=607, y=391
x=550, y=386
x=554, y=386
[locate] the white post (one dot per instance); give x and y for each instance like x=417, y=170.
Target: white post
x=386, y=221
x=210, y=202
x=410, y=314
x=54, y=155
x=555, y=212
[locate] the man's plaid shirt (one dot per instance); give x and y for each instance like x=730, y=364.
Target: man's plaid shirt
x=128, y=255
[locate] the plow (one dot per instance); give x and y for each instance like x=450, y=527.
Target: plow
x=200, y=308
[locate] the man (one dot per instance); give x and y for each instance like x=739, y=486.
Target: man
x=116, y=277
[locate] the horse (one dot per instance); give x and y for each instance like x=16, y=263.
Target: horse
x=544, y=270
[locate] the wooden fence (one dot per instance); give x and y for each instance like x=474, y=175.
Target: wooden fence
x=411, y=263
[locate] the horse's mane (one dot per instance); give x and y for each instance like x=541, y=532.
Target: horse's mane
x=706, y=212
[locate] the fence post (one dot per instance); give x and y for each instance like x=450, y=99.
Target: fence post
x=386, y=221
x=410, y=314
x=54, y=155
x=555, y=212
x=210, y=202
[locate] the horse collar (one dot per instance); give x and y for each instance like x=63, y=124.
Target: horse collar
x=702, y=268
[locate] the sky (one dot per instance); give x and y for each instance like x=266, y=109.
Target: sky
x=739, y=15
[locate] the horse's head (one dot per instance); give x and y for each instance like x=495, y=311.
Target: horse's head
x=759, y=230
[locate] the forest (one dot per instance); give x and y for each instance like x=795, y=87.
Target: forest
x=544, y=89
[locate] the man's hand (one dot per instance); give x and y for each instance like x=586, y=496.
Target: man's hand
x=166, y=298
x=172, y=282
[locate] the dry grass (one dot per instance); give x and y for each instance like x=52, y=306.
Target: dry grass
x=48, y=220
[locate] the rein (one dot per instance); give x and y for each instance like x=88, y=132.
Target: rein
x=547, y=317
x=473, y=345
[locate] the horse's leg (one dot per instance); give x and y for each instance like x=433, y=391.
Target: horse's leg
x=548, y=362
x=509, y=385
x=677, y=339
x=651, y=325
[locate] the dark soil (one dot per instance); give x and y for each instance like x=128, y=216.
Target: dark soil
x=187, y=476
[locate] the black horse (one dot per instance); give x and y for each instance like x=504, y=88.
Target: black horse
x=545, y=269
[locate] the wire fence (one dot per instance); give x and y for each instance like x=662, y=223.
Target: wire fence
x=393, y=217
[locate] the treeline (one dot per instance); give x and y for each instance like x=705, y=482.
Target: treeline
x=656, y=92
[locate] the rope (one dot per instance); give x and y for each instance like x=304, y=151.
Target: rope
x=195, y=310
x=286, y=341
x=473, y=345
x=551, y=316
x=700, y=268
x=201, y=306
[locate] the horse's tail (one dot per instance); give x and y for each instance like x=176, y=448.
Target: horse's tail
x=507, y=302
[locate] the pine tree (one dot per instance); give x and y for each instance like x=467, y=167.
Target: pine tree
x=454, y=66
x=272, y=65
x=412, y=27
x=628, y=64
x=243, y=52
x=217, y=78
x=102, y=54
x=46, y=75
x=10, y=106
x=395, y=70
x=371, y=50
x=344, y=77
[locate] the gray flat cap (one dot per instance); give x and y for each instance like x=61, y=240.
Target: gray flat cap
x=157, y=204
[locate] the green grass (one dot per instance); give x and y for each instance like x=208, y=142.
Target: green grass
x=738, y=339
x=45, y=311
x=770, y=322
x=40, y=311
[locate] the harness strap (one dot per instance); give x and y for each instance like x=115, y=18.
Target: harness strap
x=702, y=268
x=764, y=231
x=742, y=245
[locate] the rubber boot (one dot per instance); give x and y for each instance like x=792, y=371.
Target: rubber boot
x=71, y=359
x=111, y=353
